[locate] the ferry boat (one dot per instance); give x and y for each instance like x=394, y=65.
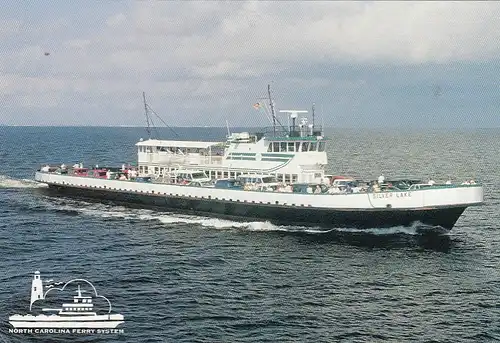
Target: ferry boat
x=292, y=157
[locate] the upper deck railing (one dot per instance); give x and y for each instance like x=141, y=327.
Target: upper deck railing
x=291, y=133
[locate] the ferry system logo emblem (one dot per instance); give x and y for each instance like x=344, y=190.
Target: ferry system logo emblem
x=77, y=316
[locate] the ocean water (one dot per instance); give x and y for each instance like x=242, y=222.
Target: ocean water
x=181, y=278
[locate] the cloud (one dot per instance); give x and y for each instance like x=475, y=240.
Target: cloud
x=204, y=55
x=9, y=27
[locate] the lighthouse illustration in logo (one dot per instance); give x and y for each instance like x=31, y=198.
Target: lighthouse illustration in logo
x=79, y=313
x=36, y=289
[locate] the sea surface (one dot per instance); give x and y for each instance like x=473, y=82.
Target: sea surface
x=182, y=278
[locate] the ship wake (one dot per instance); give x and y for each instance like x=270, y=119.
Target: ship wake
x=9, y=183
x=114, y=212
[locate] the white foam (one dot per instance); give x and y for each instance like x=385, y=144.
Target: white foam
x=120, y=212
x=8, y=182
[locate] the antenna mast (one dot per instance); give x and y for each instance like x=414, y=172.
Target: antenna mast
x=148, y=129
x=313, y=115
x=272, y=107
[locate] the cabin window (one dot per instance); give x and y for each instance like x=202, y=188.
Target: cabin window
x=305, y=146
x=276, y=147
x=269, y=179
x=198, y=175
x=321, y=146
x=317, y=175
x=297, y=146
x=295, y=177
x=280, y=178
x=157, y=170
x=312, y=146
x=270, y=147
x=291, y=147
x=282, y=146
x=287, y=178
x=226, y=175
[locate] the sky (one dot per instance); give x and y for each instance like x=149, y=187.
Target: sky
x=202, y=63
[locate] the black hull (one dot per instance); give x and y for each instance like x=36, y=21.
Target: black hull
x=445, y=217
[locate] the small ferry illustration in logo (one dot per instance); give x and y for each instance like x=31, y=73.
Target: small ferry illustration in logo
x=80, y=313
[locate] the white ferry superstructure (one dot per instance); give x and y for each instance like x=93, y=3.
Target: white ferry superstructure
x=295, y=156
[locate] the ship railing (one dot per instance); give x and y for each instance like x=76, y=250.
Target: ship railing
x=186, y=159
x=428, y=185
x=291, y=131
x=213, y=159
x=54, y=168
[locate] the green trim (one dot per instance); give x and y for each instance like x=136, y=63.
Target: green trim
x=240, y=158
x=278, y=155
x=268, y=159
x=242, y=153
x=277, y=139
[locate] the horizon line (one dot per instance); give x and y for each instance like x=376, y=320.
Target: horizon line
x=253, y=127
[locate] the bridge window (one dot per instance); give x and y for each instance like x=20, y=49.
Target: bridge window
x=291, y=147
x=270, y=147
x=283, y=147
x=295, y=177
x=312, y=147
x=305, y=146
x=276, y=147
x=297, y=146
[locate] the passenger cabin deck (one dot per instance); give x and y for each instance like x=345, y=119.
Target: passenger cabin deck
x=296, y=153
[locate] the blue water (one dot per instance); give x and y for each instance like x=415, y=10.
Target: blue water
x=181, y=278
